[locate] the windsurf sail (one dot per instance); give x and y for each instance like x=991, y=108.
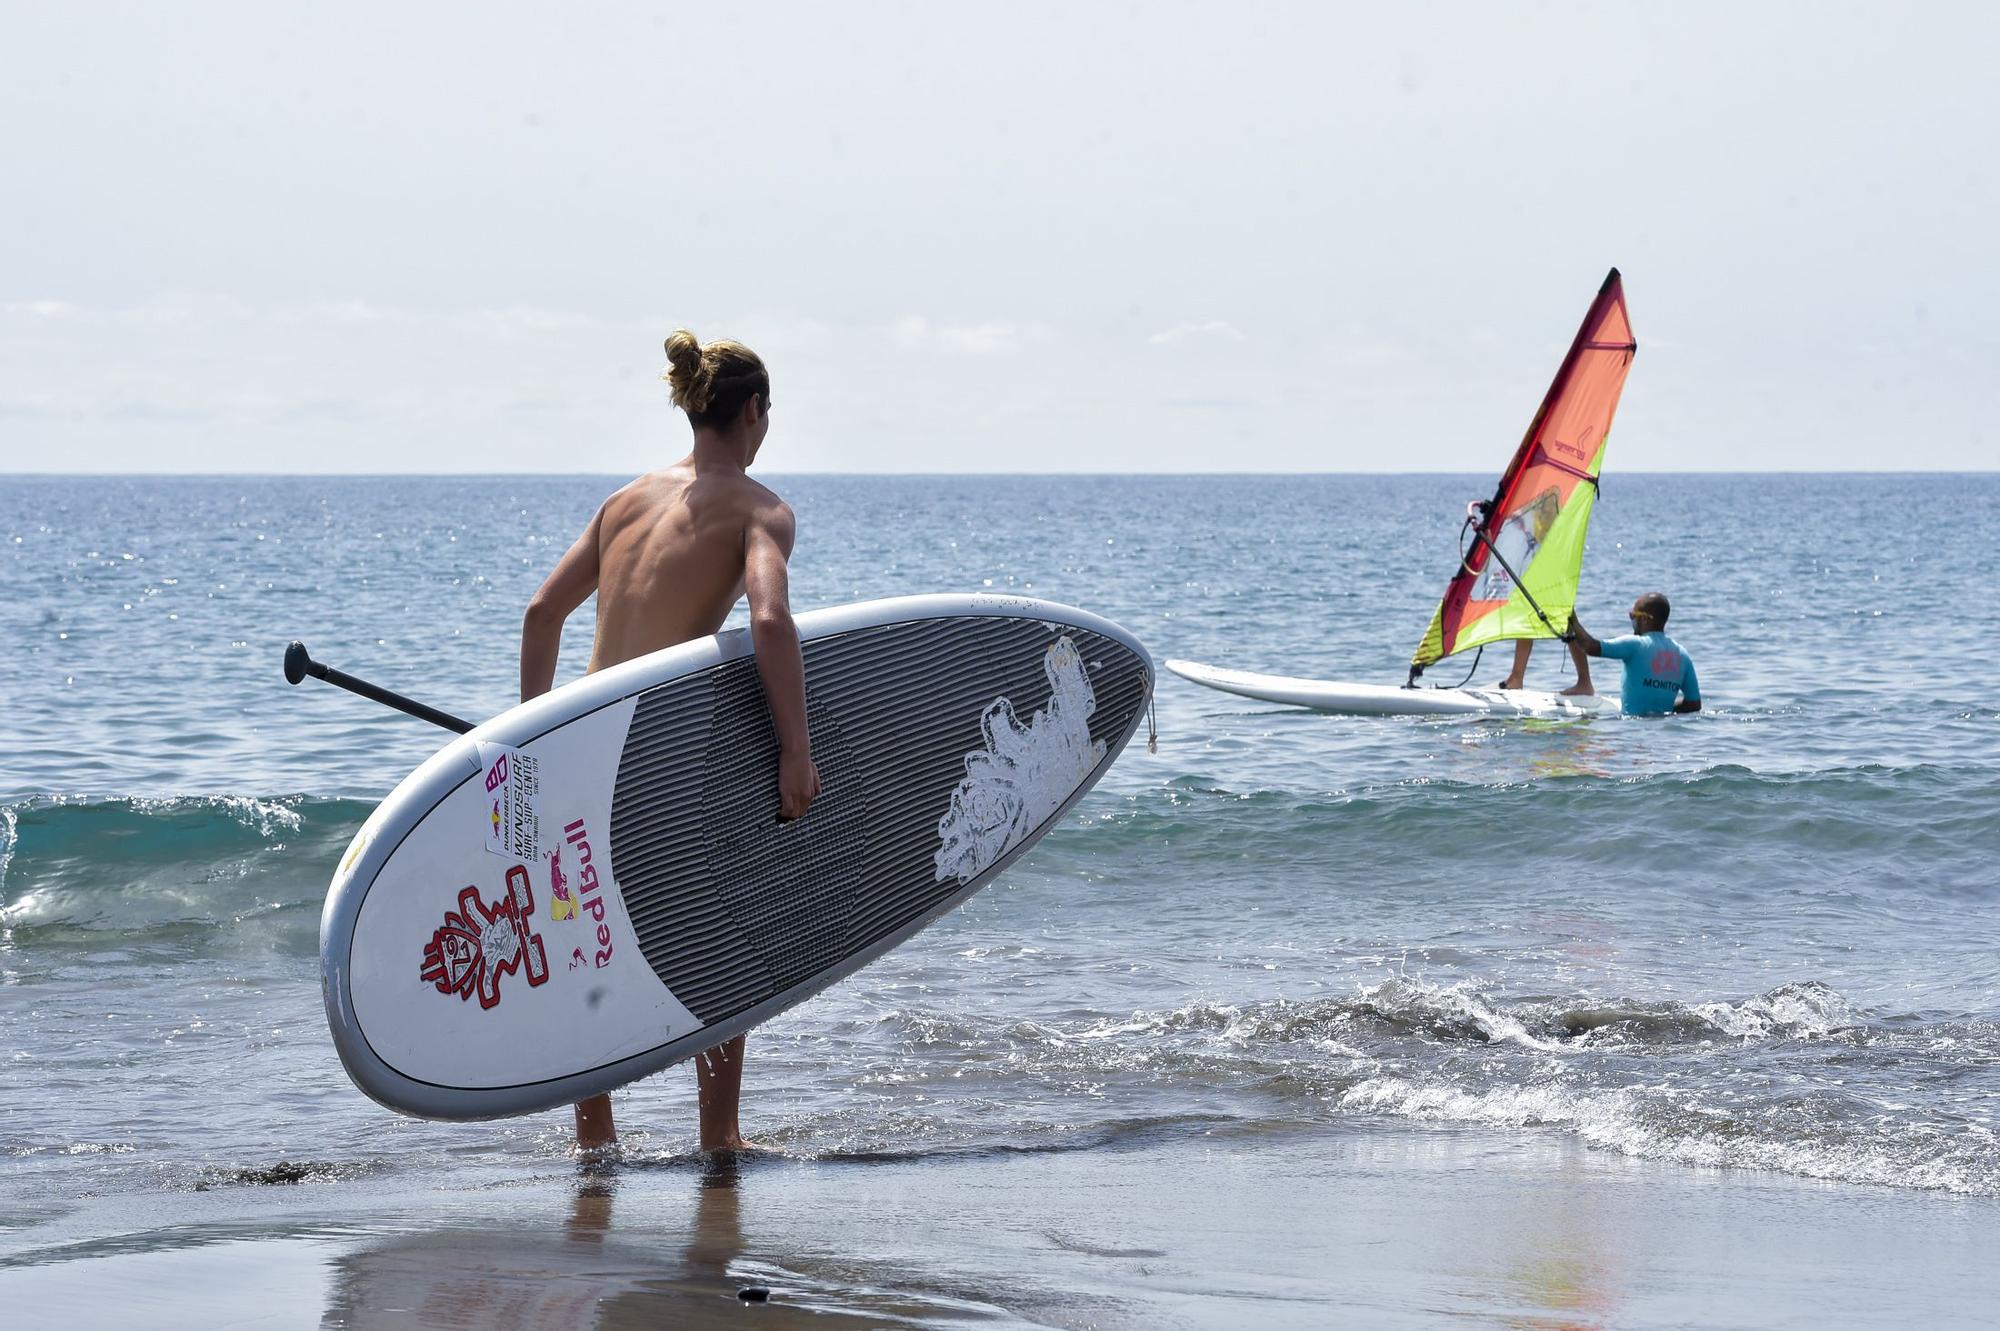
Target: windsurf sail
x=1523, y=552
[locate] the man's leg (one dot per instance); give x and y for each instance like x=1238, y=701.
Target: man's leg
x=718, y=1076
x=1582, y=686
x=593, y=1123
x=1522, y=646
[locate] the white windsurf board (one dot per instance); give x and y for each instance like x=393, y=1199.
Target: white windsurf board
x=1351, y=699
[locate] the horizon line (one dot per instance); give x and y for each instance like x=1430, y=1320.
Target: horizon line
x=779, y=474
x=931, y=475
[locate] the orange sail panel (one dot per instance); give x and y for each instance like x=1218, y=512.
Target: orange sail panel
x=1518, y=575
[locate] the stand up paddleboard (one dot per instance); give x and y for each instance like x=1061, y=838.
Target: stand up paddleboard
x=1520, y=553
x=1327, y=695
x=594, y=885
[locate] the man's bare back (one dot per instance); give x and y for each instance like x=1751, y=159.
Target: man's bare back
x=667, y=556
x=670, y=554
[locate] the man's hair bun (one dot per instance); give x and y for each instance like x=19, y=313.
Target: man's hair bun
x=712, y=383
x=685, y=375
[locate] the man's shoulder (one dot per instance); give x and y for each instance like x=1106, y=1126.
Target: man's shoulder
x=761, y=503
x=742, y=504
x=760, y=493
x=643, y=489
x=622, y=502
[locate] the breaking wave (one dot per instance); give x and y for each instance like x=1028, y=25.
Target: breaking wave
x=185, y=870
x=1792, y=1080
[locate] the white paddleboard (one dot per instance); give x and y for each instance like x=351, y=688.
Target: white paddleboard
x=1328, y=695
x=594, y=884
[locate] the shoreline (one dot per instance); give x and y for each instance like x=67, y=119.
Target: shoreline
x=1378, y=1225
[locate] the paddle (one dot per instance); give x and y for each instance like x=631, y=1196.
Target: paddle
x=299, y=664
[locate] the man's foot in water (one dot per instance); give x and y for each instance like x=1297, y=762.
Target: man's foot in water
x=735, y=1147
x=594, y=1128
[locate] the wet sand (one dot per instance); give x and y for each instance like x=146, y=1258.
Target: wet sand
x=1367, y=1227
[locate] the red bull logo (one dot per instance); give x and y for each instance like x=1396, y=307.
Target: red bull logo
x=589, y=893
x=562, y=905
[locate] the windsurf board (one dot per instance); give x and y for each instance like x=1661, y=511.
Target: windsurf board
x=1330, y=695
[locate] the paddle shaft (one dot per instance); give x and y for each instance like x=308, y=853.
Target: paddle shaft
x=299, y=664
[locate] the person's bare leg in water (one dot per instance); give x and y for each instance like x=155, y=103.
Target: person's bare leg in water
x=719, y=1081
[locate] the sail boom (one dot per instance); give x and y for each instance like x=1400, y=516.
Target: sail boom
x=1577, y=472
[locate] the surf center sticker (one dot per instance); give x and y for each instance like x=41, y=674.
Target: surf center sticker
x=1023, y=774
x=478, y=943
x=512, y=810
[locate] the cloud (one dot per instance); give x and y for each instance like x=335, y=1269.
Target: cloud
x=1220, y=329
x=913, y=332
x=212, y=383
x=37, y=309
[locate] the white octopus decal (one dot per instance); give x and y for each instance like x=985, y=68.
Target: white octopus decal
x=1022, y=776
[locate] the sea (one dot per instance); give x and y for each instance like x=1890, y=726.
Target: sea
x=1758, y=946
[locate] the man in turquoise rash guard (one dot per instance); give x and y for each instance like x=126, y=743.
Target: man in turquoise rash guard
x=1657, y=670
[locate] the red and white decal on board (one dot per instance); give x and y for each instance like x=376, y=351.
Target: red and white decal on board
x=478, y=943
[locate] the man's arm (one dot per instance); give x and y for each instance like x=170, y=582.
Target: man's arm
x=1580, y=636
x=1690, y=687
x=569, y=586
x=767, y=546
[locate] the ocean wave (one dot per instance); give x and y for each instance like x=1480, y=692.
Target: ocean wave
x=107, y=864
x=1713, y=1127
x=1935, y=815
x=1463, y=1014
x=1793, y=1079
x=96, y=873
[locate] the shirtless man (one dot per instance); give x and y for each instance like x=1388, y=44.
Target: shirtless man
x=667, y=557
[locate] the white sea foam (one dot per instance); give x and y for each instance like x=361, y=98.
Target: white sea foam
x=1662, y=1123
x=10, y=832
x=1459, y=1003
x=269, y=817
x=1808, y=1009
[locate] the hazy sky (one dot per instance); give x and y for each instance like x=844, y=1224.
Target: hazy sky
x=1015, y=237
